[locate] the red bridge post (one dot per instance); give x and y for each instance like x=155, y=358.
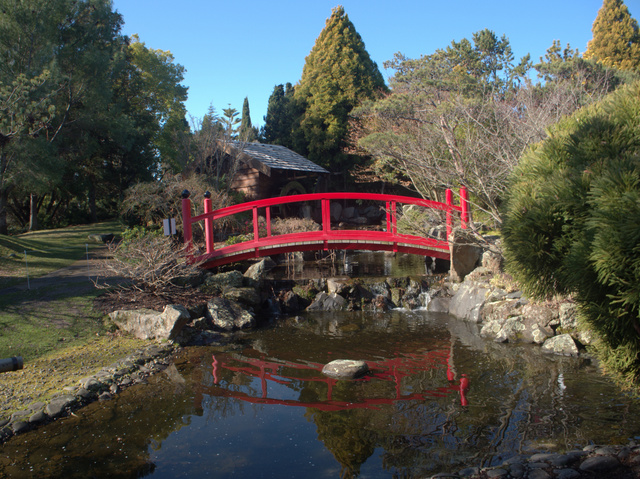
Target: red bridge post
x=208, y=223
x=464, y=205
x=449, y=203
x=186, y=220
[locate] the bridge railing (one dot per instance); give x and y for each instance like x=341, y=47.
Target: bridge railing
x=326, y=232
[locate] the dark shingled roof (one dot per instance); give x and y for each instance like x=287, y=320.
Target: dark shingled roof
x=264, y=157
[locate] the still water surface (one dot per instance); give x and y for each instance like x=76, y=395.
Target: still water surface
x=438, y=399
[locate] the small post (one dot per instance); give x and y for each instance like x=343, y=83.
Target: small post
x=326, y=216
x=464, y=205
x=394, y=218
x=449, y=202
x=26, y=263
x=256, y=226
x=388, y=217
x=186, y=219
x=268, y=216
x=208, y=223
x=88, y=267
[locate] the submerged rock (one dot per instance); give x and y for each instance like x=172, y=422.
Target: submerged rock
x=345, y=369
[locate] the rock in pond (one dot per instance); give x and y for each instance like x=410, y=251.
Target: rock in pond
x=345, y=369
x=229, y=315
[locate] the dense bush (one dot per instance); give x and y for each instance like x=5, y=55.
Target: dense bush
x=147, y=204
x=572, y=223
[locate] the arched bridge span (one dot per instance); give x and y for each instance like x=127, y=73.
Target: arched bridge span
x=263, y=243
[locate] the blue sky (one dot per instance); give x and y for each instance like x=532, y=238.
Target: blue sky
x=234, y=49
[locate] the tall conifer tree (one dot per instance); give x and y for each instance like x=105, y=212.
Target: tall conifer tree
x=247, y=132
x=616, y=38
x=278, y=120
x=338, y=74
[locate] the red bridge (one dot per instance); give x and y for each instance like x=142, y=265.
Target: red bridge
x=324, y=239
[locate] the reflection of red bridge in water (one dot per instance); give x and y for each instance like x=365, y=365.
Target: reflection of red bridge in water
x=326, y=238
x=388, y=370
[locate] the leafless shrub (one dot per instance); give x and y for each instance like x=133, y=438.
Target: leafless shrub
x=149, y=263
x=293, y=225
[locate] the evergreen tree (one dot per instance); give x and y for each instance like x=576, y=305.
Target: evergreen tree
x=616, y=38
x=571, y=223
x=278, y=121
x=246, y=132
x=338, y=74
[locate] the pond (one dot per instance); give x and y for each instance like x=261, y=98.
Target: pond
x=438, y=398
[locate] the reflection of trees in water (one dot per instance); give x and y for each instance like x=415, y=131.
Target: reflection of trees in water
x=346, y=434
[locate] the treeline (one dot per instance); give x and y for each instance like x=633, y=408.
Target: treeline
x=85, y=112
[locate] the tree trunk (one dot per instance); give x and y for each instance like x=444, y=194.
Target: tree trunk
x=92, y=201
x=33, y=212
x=4, y=199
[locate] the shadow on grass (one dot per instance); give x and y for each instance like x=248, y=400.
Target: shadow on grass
x=35, y=322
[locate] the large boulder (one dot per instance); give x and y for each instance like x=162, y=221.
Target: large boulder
x=468, y=301
x=514, y=320
x=149, y=324
x=465, y=254
x=563, y=344
x=256, y=272
x=247, y=296
x=328, y=302
x=218, y=283
x=229, y=315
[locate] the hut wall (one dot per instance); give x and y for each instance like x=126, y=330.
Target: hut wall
x=253, y=184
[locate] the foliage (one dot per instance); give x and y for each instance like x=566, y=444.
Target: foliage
x=278, y=122
x=453, y=117
x=91, y=111
x=571, y=222
x=616, y=37
x=465, y=114
x=148, y=204
x=338, y=74
x=161, y=78
x=247, y=133
x=414, y=220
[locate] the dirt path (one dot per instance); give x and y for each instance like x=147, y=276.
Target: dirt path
x=78, y=277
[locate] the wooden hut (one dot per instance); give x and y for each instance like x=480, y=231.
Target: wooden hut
x=266, y=171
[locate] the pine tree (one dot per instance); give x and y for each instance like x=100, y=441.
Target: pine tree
x=338, y=74
x=246, y=132
x=279, y=119
x=616, y=38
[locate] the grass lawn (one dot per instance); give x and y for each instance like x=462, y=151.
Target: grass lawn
x=54, y=327
x=57, y=314
x=46, y=250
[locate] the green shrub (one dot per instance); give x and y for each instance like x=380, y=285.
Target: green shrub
x=572, y=223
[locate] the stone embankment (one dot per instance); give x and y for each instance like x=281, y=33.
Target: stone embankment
x=601, y=462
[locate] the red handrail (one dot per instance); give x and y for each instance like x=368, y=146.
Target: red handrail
x=326, y=234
